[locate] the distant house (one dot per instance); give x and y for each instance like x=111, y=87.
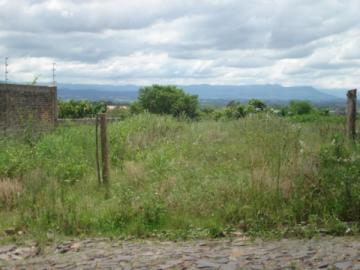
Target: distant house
x=110, y=108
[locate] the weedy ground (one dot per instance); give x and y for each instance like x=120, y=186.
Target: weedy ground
x=259, y=175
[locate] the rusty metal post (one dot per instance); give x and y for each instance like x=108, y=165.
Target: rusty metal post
x=351, y=114
x=104, y=149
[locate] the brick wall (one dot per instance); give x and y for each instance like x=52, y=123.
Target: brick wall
x=26, y=105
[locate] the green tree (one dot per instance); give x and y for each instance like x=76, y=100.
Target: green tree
x=233, y=103
x=300, y=107
x=167, y=100
x=257, y=104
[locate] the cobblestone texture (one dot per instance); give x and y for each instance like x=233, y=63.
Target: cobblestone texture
x=322, y=253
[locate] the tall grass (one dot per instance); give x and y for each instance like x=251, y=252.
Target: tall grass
x=258, y=174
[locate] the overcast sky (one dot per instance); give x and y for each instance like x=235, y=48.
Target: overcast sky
x=289, y=42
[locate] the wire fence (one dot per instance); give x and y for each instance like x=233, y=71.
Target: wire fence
x=88, y=120
x=34, y=81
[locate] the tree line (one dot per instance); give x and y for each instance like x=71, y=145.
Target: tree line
x=171, y=100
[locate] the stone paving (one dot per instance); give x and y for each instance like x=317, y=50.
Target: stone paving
x=226, y=254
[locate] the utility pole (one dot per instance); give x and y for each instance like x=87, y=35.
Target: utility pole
x=6, y=70
x=54, y=75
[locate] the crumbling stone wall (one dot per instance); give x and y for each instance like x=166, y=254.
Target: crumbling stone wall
x=24, y=106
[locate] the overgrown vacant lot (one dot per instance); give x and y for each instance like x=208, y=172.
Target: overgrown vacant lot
x=170, y=178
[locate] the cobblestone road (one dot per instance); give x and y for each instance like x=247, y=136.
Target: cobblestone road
x=321, y=253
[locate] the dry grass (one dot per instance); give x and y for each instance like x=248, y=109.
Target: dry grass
x=10, y=191
x=135, y=172
x=258, y=174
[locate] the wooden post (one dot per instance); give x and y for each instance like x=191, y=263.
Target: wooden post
x=351, y=114
x=97, y=149
x=104, y=149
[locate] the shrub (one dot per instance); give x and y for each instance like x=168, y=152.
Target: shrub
x=257, y=104
x=80, y=109
x=136, y=108
x=207, y=112
x=300, y=107
x=167, y=100
x=324, y=112
x=234, y=110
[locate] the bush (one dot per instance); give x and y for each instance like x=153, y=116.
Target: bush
x=80, y=109
x=257, y=104
x=207, y=112
x=234, y=110
x=300, y=107
x=136, y=108
x=167, y=100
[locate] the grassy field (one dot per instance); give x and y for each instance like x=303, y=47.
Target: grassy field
x=177, y=179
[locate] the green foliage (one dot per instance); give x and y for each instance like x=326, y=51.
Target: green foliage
x=15, y=159
x=80, y=109
x=324, y=112
x=166, y=100
x=136, y=108
x=257, y=104
x=178, y=179
x=340, y=179
x=120, y=112
x=235, y=111
x=300, y=107
x=207, y=112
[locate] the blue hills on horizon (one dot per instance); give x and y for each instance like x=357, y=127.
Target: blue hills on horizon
x=269, y=93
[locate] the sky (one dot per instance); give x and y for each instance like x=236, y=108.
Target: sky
x=238, y=42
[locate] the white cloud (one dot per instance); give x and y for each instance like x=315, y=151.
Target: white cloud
x=288, y=42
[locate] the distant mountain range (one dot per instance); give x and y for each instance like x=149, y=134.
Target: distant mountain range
x=207, y=93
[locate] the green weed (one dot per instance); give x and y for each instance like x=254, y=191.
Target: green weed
x=261, y=174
